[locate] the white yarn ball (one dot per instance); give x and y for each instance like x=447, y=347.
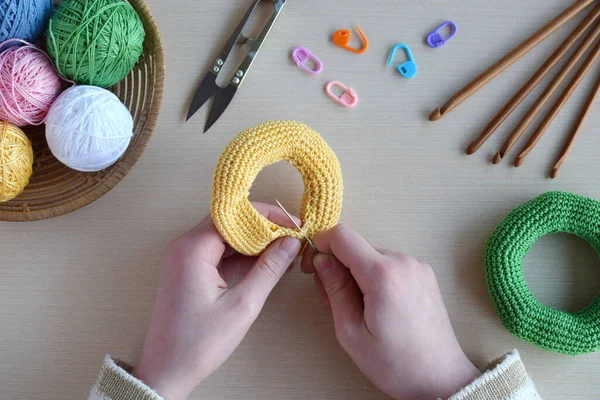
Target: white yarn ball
x=88, y=128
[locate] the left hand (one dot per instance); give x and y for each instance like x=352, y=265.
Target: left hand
x=208, y=297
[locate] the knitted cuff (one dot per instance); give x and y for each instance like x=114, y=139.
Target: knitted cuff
x=504, y=379
x=116, y=383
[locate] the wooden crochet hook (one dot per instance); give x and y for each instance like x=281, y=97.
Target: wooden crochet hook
x=546, y=95
x=510, y=59
x=539, y=75
x=563, y=99
x=576, y=129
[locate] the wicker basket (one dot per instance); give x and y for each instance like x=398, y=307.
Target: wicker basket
x=55, y=189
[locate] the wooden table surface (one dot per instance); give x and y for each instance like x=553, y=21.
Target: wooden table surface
x=76, y=287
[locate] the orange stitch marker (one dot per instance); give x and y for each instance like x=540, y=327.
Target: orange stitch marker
x=342, y=37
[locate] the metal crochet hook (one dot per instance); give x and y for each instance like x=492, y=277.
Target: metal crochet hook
x=297, y=226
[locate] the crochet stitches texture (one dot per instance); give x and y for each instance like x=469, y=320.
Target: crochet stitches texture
x=523, y=315
x=244, y=228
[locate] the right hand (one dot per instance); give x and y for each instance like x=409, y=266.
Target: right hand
x=389, y=316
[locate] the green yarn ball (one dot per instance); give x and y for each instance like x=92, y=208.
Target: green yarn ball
x=521, y=313
x=95, y=42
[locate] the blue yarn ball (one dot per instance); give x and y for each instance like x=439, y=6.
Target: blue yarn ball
x=24, y=19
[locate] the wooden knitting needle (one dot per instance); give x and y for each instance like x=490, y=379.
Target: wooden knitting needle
x=297, y=226
x=576, y=129
x=543, y=99
x=540, y=74
x=510, y=59
x=564, y=98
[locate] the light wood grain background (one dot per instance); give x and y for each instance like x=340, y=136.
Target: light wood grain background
x=79, y=286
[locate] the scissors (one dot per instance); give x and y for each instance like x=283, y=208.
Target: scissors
x=223, y=95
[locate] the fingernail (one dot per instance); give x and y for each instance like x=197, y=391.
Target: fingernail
x=322, y=261
x=291, y=246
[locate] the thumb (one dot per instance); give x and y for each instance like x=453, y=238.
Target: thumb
x=342, y=290
x=268, y=269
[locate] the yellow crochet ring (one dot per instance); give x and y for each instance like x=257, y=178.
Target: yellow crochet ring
x=244, y=228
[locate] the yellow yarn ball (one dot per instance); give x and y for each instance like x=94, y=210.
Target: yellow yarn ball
x=244, y=228
x=16, y=161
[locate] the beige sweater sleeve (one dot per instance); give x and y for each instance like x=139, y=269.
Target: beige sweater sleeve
x=505, y=379
x=115, y=382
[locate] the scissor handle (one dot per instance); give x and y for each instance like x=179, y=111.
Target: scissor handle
x=233, y=39
x=254, y=44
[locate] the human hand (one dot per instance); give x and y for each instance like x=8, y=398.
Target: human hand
x=201, y=315
x=389, y=316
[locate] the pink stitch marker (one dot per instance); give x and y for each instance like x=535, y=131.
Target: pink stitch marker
x=348, y=99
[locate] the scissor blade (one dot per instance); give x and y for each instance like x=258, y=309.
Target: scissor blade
x=205, y=91
x=222, y=100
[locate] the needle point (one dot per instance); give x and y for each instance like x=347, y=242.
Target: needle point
x=554, y=172
x=310, y=242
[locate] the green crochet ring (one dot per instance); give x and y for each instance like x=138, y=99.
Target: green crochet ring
x=523, y=315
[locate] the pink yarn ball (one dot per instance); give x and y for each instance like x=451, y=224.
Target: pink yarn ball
x=29, y=84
